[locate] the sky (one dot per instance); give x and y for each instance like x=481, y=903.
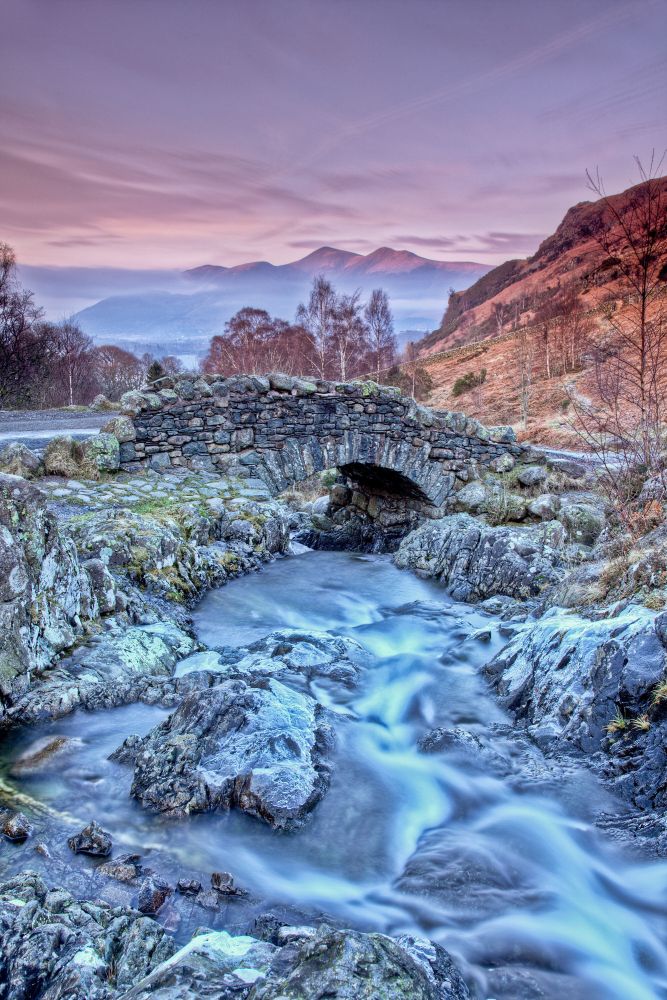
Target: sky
x=151, y=134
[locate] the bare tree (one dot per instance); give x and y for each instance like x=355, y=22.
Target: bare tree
x=349, y=340
x=117, y=370
x=525, y=356
x=73, y=359
x=24, y=347
x=380, y=326
x=625, y=424
x=318, y=318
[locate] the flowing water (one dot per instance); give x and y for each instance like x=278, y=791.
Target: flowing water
x=490, y=852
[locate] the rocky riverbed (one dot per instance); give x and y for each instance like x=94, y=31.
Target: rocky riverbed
x=327, y=777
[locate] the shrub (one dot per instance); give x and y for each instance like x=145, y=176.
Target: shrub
x=471, y=380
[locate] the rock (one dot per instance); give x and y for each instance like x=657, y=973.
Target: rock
x=504, y=463
x=349, y=965
x=280, y=382
x=153, y=893
x=545, y=507
x=582, y=521
x=54, y=946
x=213, y=964
x=566, y=676
x=122, y=429
x=102, y=452
x=464, y=745
x=223, y=883
x=320, y=506
x=471, y=498
x=568, y=467
x=111, y=672
x=43, y=755
x=188, y=886
x=124, y=868
x=259, y=749
x=92, y=840
x=477, y=561
x=16, y=827
x=532, y=475
x=103, y=585
x=101, y=403
x=289, y=653
x=45, y=595
x=17, y=460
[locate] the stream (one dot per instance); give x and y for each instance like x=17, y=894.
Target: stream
x=484, y=846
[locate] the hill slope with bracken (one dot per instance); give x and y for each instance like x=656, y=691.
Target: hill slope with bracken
x=542, y=318
x=568, y=263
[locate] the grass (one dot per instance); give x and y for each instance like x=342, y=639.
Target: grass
x=642, y=723
x=619, y=724
x=659, y=695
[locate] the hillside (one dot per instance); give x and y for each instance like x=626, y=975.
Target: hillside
x=567, y=264
x=189, y=308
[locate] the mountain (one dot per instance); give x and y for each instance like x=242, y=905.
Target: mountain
x=185, y=311
x=568, y=264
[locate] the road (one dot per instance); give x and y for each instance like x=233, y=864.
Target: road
x=35, y=427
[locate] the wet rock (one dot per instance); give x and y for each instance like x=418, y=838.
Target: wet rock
x=212, y=964
x=54, y=946
x=259, y=749
x=18, y=460
x=127, y=752
x=124, y=868
x=17, y=827
x=153, y=893
x=188, y=886
x=349, y=965
x=92, y=840
x=477, y=561
x=43, y=755
x=589, y=686
x=294, y=653
x=465, y=745
x=223, y=883
x=113, y=671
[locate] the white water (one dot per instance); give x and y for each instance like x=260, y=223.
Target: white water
x=508, y=873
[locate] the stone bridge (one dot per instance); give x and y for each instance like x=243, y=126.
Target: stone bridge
x=282, y=429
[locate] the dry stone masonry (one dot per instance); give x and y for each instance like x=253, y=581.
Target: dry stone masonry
x=280, y=430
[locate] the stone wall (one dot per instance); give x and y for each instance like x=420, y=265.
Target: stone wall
x=282, y=429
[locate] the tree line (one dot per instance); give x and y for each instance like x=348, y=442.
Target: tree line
x=45, y=364
x=334, y=336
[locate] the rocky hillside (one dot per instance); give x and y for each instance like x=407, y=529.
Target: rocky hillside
x=568, y=264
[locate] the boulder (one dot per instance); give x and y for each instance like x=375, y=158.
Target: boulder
x=16, y=827
x=17, y=460
x=583, y=522
x=532, y=475
x=476, y=561
x=259, y=749
x=102, y=453
x=122, y=429
x=545, y=507
x=91, y=840
x=101, y=403
x=153, y=894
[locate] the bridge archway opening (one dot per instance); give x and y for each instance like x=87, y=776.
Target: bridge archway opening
x=377, y=480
